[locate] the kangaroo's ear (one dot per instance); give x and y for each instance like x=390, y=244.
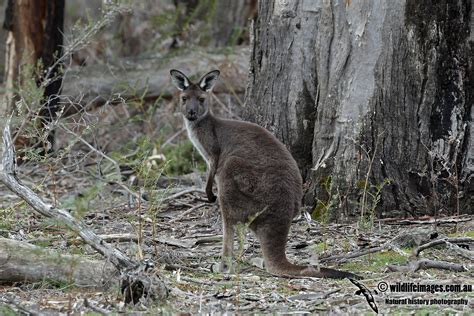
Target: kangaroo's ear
x=208, y=81
x=179, y=79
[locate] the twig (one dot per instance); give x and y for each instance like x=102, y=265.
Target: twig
x=369, y=169
x=95, y=308
x=425, y=264
x=189, y=211
x=456, y=240
x=118, y=237
x=428, y=222
x=181, y=193
x=169, y=140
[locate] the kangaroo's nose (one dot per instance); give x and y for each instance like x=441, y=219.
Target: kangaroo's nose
x=191, y=112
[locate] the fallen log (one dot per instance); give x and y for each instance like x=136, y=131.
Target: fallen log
x=24, y=262
x=137, y=281
x=149, y=78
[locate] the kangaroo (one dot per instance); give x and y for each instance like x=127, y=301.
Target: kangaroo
x=258, y=181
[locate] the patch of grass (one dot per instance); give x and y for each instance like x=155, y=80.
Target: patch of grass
x=81, y=203
x=42, y=243
x=7, y=219
x=7, y=311
x=375, y=262
x=182, y=159
x=463, y=234
x=59, y=284
x=320, y=247
x=325, y=207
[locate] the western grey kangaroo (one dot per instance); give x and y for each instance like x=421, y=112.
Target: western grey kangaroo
x=258, y=180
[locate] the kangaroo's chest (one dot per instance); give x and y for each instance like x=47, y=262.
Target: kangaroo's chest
x=193, y=137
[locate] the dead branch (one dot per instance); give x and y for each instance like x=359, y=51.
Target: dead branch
x=466, y=254
x=151, y=286
x=126, y=237
x=455, y=240
x=189, y=211
x=20, y=262
x=425, y=264
x=95, y=308
x=181, y=193
x=451, y=220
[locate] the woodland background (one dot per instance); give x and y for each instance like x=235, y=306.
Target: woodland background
x=373, y=99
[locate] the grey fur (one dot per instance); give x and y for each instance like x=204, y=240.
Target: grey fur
x=258, y=180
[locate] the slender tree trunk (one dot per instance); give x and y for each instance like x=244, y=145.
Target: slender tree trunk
x=35, y=31
x=364, y=91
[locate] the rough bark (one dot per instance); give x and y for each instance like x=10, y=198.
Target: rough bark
x=363, y=91
x=35, y=34
x=23, y=262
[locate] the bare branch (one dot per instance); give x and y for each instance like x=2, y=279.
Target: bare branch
x=456, y=240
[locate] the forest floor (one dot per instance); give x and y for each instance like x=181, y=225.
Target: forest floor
x=182, y=236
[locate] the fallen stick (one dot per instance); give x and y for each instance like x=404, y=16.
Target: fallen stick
x=126, y=237
x=189, y=211
x=135, y=283
x=466, y=254
x=425, y=264
x=454, y=240
x=429, y=221
x=95, y=308
x=181, y=193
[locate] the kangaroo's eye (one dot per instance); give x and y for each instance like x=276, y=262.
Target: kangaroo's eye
x=183, y=98
x=201, y=99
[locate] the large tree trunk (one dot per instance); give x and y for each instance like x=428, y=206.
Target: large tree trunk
x=363, y=91
x=35, y=34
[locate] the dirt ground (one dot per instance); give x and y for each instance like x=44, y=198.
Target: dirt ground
x=182, y=236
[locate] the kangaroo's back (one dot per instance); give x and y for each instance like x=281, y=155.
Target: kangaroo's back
x=259, y=167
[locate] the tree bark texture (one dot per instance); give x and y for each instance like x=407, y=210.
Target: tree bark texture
x=363, y=91
x=35, y=33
